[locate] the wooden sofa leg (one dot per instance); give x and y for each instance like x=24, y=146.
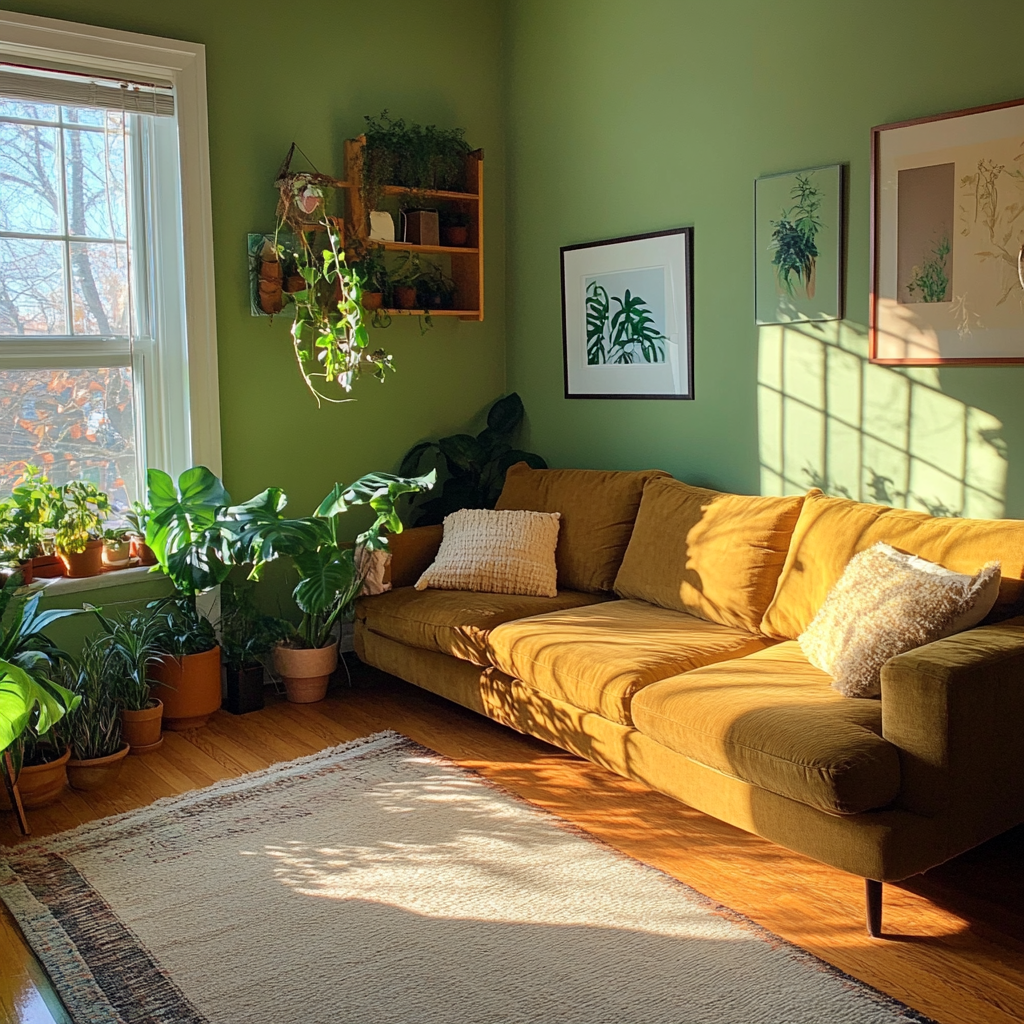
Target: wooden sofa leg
x=873, y=899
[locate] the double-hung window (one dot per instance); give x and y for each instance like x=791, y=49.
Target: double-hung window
x=99, y=350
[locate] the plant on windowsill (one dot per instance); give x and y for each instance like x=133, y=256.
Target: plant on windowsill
x=247, y=638
x=117, y=549
x=331, y=573
x=77, y=520
x=93, y=729
x=137, y=516
x=476, y=466
x=26, y=516
x=330, y=340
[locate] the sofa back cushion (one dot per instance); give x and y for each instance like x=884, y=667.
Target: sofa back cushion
x=598, y=508
x=831, y=531
x=717, y=556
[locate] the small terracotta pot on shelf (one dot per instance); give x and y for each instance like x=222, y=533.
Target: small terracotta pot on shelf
x=405, y=297
x=189, y=687
x=143, y=730
x=40, y=784
x=47, y=567
x=373, y=300
x=457, y=237
x=270, y=270
x=306, y=672
x=115, y=555
x=97, y=771
x=79, y=564
x=142, y=551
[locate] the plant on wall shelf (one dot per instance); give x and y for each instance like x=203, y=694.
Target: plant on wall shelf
x=793, y=239
x=476, y=466
x=330, y=340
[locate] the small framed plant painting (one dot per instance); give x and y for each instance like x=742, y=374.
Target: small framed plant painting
x=947, y=253
x=798, y=246
x=627, y=316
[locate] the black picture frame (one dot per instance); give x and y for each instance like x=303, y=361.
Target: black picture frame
x=587, y=372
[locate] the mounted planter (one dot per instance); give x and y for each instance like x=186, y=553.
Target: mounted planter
x=79, y=564
x=244, y=689
x=306, y=672
x=143, y=730
x=40, y=784
x=97, y=772
x=189, y=686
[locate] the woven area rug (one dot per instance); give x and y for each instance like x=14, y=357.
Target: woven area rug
x=377, y=882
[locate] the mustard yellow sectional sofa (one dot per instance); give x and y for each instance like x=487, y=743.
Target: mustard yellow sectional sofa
x=669, y=656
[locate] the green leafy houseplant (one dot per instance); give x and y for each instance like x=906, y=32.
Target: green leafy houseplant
x=94, y=727
x=131, y=644
x=247, y=636
x=476, y=466
x=78, y=517
x=25, y=517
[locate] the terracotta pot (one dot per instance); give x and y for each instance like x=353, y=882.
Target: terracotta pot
x=89, y=562
x=189, y=688
x=142, y=730
x=97, y=771
x=405, y=297
x=306, y=673
x=373, y=300
x=270, y=270
x=116, y=556
x=271, y=297
x=40, y=784
x=245, y=689
x=456, y=236
x=25, y=568
x=142, y=551
x=46, y=567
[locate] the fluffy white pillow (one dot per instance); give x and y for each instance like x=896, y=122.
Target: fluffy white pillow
x=886, y=603
x=506, y=552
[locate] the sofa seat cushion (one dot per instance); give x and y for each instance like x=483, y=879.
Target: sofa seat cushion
x=596, y=658
x=772, y=719
x=454, y=622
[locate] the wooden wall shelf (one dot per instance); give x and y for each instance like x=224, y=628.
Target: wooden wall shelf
x=467, y=262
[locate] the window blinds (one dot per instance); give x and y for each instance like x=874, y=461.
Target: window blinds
x=76, y=89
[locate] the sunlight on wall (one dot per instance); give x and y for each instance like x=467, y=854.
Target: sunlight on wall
x=828, y=418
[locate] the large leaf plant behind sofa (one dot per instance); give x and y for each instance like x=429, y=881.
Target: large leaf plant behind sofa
x=670, y=656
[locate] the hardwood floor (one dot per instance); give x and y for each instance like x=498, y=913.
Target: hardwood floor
x=953, y=945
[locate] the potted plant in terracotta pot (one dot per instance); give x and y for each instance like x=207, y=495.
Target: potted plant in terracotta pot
x=117, y=550
x=374, y=277
x=455, y=228
x=78, y=522
x=331, y=572
x=137, y=516
x=133, y=643
x=247, y=639
x=27, y=515
x=30, y=701
x=93, y=729
x=184, y=533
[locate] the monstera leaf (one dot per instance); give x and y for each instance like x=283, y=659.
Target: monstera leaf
x=21, y=695
x=381, y=492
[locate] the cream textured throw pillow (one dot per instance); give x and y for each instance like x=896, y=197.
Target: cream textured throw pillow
x=887, y=603
x=509, y=552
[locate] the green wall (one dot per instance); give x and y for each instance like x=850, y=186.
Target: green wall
x=309, y=72
x=626, y=117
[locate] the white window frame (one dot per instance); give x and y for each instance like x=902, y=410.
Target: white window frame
x=46, y=42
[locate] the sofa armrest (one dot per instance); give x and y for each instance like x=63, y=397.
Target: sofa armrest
x=955, y=711
x=412, y=551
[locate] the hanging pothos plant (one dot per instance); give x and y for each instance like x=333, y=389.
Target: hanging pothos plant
x=331, y=341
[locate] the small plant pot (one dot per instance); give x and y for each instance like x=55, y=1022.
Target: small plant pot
x=245, y=689
x=189, y=688
x=143, y=730
x=270, y=270
x=142, y=551
x=97, y=772
x=455, y=236
x=78, y=564
x=373, y=300
x=46, y=567
x=306, y=672
x=405, y=297
x=25, y=568
x=40, y=784
x=295, y=283
x=271, y=297
x=116, y=556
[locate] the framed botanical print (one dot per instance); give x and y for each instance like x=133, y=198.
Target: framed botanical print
x=627, y=316
x=948, y=238
x=798, y=246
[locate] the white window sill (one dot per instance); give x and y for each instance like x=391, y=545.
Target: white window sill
x=61, y=585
